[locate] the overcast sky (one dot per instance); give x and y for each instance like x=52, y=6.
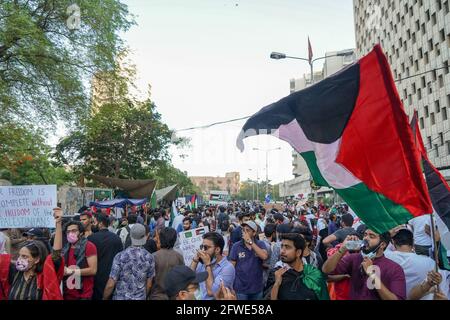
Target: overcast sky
x=208, y=61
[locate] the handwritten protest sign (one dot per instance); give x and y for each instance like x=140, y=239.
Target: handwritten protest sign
x=190, y=242
x=27, y=206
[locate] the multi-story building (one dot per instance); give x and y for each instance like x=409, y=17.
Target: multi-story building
x=231, y=183
x=415, y=35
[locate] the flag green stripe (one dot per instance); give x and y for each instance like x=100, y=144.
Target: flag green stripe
x=311, y=162
x=375, y=210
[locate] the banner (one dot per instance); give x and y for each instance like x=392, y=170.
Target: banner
x=190, y=242
x=27, y=206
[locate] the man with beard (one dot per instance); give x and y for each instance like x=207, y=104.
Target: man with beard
x=373, y=276
x=210, y=259
x=295, y=280
x=86, y=220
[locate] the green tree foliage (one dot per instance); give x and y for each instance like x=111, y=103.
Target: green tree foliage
x=48, y=53
x=122, y=139
x=166, y=175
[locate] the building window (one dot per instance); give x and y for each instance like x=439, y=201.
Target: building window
x=432, y=119
x=436, y=150
x=421, y=123
x=441, y=81
x=437, y=106
x=426, y=112
x=448, y=147
x=429, y=143
x=441, y=138
x=444, y=113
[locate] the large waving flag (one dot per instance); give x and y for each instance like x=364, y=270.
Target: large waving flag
x=355, y=137
x=439, y=192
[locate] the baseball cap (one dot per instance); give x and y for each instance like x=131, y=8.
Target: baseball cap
x=180, y=277
x=137, y=234
x=251, y=225
x=36, y=232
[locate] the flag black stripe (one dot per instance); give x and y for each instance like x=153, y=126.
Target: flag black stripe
x=321, y=110
x=439, y=194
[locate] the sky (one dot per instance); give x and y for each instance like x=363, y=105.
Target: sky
x=208, y=61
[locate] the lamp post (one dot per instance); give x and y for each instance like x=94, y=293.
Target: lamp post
x=253, y=187
x=267, y=164
x=279, y=56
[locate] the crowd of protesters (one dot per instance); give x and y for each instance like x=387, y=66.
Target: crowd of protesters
x=251, y=252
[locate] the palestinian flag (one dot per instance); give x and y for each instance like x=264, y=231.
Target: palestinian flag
x=355, y=137
x=439, y=192
x=194, y=201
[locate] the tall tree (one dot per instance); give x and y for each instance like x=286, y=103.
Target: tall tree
x=25, y=158
x=50, y=49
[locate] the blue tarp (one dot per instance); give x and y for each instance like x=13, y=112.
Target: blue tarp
x=121, y=203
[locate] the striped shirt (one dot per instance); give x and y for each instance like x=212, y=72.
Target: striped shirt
x=22, y=289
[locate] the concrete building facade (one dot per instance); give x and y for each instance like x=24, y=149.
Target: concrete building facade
x=231, y=183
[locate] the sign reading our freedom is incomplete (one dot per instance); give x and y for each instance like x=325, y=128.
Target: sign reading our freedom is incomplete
x=27, y=206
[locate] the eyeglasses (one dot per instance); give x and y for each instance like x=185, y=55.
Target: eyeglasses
x=205, y=247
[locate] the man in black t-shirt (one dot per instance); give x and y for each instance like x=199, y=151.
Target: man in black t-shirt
x=108, y=245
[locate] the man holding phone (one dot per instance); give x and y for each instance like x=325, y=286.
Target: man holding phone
x=248, y=256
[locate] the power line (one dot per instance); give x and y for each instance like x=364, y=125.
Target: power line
x=243, y=118
x=213, y=124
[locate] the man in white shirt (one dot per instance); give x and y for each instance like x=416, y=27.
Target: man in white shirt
x=422, y=240
x=416, y=267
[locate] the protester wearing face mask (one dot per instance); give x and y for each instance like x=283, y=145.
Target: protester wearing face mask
x=373, y=276
x=81, y=261
x=210, y=259
x=182, y=283
x=36, y=275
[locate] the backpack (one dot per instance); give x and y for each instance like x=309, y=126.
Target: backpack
x=125, y=237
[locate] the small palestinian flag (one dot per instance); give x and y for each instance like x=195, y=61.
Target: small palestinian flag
x=355, y=137
x=200, y=231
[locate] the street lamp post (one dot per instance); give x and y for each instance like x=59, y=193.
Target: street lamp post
x=267, y=165
x=253, y=188
x=279, y=56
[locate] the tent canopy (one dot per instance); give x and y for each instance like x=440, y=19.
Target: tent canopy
x=168, y=194
x=121, y=203
x=136, y=188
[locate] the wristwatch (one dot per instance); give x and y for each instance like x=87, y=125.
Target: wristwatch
x=250, y=242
